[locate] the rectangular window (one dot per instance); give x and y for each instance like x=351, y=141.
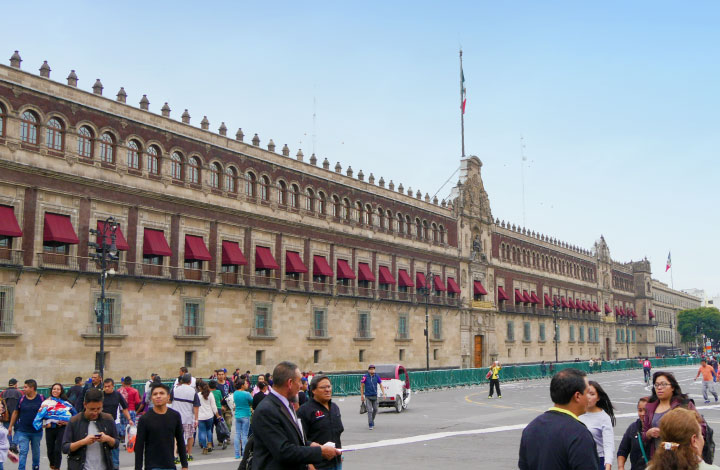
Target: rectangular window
x=320, y=323
x=401, y=355
x=617, y=336
x=403, y=326
x=526, y=331
x=633, y=336
x=316, y=356
x=112, y=315
x=6, y=309
x=105, y=362
x=361, y=356
x=259, y=357
x=582, y=334
x=363, y=325
x=437, y=327
x=542, y=332
x=192, y=321
x=189, y=358
x=262, y=324
x=572, y=332
x=510, y=331
x=436, y=354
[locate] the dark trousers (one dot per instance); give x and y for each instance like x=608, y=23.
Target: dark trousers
x=53, y=441
x=495, y=383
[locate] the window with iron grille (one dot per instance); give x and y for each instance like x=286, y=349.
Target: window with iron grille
x=526, y=331
x=572, y=332
x=262, y=323
x=363, y=325
x=437, y=327
x=403, y=326
x=6, y=309
x=112, y=314
x=320, y=322
x=192, y=321
x=582, y=334
x=542, y=332
x=510, y=331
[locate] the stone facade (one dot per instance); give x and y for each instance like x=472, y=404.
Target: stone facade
x=666, y=304
x=83, y=157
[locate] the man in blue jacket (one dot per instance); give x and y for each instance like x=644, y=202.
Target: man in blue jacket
x=369, y=385
x=557, y=439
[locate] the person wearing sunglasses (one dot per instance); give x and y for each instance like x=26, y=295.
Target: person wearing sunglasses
x=666, y=395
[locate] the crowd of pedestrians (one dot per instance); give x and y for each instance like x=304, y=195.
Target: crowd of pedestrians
x=91, y=422
x=578, y=431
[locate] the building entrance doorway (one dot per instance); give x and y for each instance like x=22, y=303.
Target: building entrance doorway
x=478, y=351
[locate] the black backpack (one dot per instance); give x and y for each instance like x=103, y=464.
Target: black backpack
x=708, y=452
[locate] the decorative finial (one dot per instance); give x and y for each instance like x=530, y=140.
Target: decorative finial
x=401, y=190
x=145, y=104
x=165, y=111
x=349, y=171
x=286, y=150
x=15, y=60
x=239, y=134
x=361, y=175
x=45, y=70
x=256, y=140
x=204, y=124
x=299, y=155
x=313, y=160
x=98, y=87
x=222, y=129
x=338, y=167
x=185, y=117
x=121, y=95
x=72, y=78
x=391, y=185
x=326, y=164
x=371, y=179
x=271, y=145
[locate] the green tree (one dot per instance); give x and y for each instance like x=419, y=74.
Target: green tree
x=694, y=323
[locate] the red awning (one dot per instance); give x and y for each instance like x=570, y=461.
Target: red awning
x=195, y=249
x=452, y=286
x=293, y=263
x=595, y=307
x=364, y=273
x=618, y=312
x=321, y=266
x=420, y=281
x=534, y=298
x=548, y=302
x=519, y=299
x=404, y=279
x=622, y=311
x=571, y=303
x=438, y=284
x=120, y=242
x=478, y=288
x=58, y=228
x=650, y=313
x=8, y=223
x=608, y=310
x=344, y=271
x=586, y=306
x=385, y=275
x=154, y=243
x=502, y=295
x=526, y=297
x=264, y=258
x=564, y=303
x=633, y=314
x=232, y=254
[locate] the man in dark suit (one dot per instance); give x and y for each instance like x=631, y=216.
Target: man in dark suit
x=279, y=438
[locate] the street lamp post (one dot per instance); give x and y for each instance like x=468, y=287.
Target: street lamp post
x=428, y=283
x=556, y=317
x=104, y=254
x=627, y=337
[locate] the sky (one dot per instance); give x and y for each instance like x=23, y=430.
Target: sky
x=613, y=104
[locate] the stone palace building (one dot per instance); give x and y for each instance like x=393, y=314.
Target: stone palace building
x=234, y=254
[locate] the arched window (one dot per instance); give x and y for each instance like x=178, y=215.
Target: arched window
x=215, y=172
x=133, y=155
x=194, y=170
x=336, y=207
x=381, y=218
x=418, y=229
x=282, y=193
x=153, y=160
x=176, y=166
x=434, y=232
x=359, y=212
x=442, y=234
x=230, y=180
x=29, y=128
x=426, y=232
x=85, y=146
x=368, y=217
x=265, y=188
x=295, y=197
x=309, y=200
x=400, y=224
x=346, y=209
x=3, y=118
x=107, y=148
x=250, y=184
x=322, y=203
x=54, y=140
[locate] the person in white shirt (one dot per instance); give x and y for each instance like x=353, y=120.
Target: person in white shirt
x=599, y=418
x=185, y=401
x=183, y=371
x=206, y=414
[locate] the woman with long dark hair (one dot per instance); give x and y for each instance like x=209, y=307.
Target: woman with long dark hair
x=206, y=415
x=55, y=429
x=681, y=442
x=666, y=395
x=600, y=419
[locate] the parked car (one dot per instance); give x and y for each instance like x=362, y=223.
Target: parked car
x=396, y=383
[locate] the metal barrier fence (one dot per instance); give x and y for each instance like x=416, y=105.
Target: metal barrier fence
x=349, y=384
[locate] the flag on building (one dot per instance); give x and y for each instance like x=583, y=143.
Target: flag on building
x=669, y=263
x=464, y=91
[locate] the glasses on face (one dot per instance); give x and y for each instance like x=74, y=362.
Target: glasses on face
x=660, y=385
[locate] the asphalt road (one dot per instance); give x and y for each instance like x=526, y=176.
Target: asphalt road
x=462, y=427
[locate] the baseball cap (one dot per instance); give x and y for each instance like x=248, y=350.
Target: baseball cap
x=12, y=382
x=371, y=366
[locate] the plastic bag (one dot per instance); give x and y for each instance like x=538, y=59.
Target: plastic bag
x=222, y=431
x=130, y=435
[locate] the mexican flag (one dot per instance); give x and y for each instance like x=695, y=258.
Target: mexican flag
x=463, y=90
x=669, y=263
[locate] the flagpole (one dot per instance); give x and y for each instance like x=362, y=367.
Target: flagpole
x=672, y=284
x=462, y=111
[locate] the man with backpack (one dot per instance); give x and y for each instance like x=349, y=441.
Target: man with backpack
x=27, y=436
x=12, y=397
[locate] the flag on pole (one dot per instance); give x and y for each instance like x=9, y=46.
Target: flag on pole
x=464, y=92
x=669, y=263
